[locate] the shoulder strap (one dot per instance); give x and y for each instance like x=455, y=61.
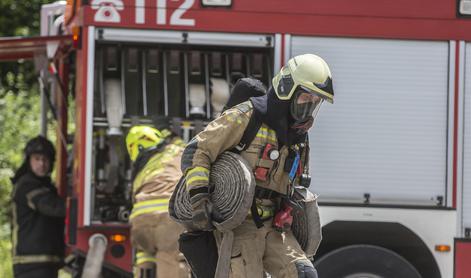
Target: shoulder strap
x=144, y=156
x=249, y=133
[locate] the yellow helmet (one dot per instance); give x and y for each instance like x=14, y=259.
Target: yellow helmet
x=142, y=137
x=309, y=72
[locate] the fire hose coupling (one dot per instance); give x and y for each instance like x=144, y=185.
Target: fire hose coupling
x=95, y=256
x=96, y=238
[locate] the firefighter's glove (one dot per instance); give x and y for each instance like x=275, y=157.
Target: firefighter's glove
x=202, y=210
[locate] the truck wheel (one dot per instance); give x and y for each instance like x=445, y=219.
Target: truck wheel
x=364, y=261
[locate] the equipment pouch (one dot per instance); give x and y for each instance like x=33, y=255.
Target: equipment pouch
x=290, y=160
x=306, y=225
x=200, y=251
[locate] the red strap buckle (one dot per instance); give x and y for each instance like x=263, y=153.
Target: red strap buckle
x=266, y=150
x=261, y=173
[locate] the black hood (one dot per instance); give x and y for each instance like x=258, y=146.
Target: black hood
x=20, y=172
x=275, y=113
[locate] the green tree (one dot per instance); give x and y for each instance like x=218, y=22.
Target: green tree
x=19, y=122
x=19, y=108
x=19, y=18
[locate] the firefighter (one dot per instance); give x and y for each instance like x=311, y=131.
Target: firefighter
x=38, y=214
x=278, y=155
x=156, y=156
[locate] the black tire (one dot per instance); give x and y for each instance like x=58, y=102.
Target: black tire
x=364, y=261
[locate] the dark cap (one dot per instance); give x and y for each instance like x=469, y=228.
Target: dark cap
x=40, y=145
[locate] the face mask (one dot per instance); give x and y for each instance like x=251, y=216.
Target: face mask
x=302, y=128
x=305, y=105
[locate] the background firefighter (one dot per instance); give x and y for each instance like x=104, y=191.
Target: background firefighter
x=278, y=156
x=156, y=155
x=38, y=214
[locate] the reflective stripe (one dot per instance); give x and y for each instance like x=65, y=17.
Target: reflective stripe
x=26, y=259
x=197, y=169
x=15, y=227
x=197, y=174
x=264, y=212
x=189, y=182
x=143, y=257
x=149, y=206
x=33, y=194
x=265, y=133
x=36, y=259
x=156, y=165
x=150, y=202
x=272, y=135
x=138, y=182
x=136, y=213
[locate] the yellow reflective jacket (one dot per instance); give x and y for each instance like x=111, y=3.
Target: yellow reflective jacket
x=155, y=183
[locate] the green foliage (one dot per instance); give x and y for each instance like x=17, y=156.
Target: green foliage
x=19, y=18
x=5, y=251
x=19, y=109
x=19, y=121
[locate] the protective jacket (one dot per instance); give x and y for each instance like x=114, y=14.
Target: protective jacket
x=225, y=133
x=155, y=182
x=37, y=223
x=255, y=248
x=278, y=156
x=153, y=233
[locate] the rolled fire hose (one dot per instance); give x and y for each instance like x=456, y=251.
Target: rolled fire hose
x=197, y=99
x=114, y=105
x=220, y=95
x=234, y=188
x=306, y=223
x=95, y=256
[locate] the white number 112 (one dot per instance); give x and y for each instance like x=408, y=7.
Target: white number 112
x=176, y=17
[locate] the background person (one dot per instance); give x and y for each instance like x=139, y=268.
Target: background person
x=38, y=214
x=156, y=156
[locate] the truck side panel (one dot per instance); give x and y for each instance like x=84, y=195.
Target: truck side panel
x=386, y=135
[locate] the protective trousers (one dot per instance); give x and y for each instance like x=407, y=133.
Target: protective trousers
x=35, y=271
x=257, y=250
x=157, y=237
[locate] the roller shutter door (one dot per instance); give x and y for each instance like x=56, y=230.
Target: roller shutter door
x=386, y=134
x=467, y=142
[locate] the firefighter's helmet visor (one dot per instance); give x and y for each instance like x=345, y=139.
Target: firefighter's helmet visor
x=305, y=104
x=287, y=86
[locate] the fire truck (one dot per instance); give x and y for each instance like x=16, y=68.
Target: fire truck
x=390, y=160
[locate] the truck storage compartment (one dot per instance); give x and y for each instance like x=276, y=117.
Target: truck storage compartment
x=146, y=83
